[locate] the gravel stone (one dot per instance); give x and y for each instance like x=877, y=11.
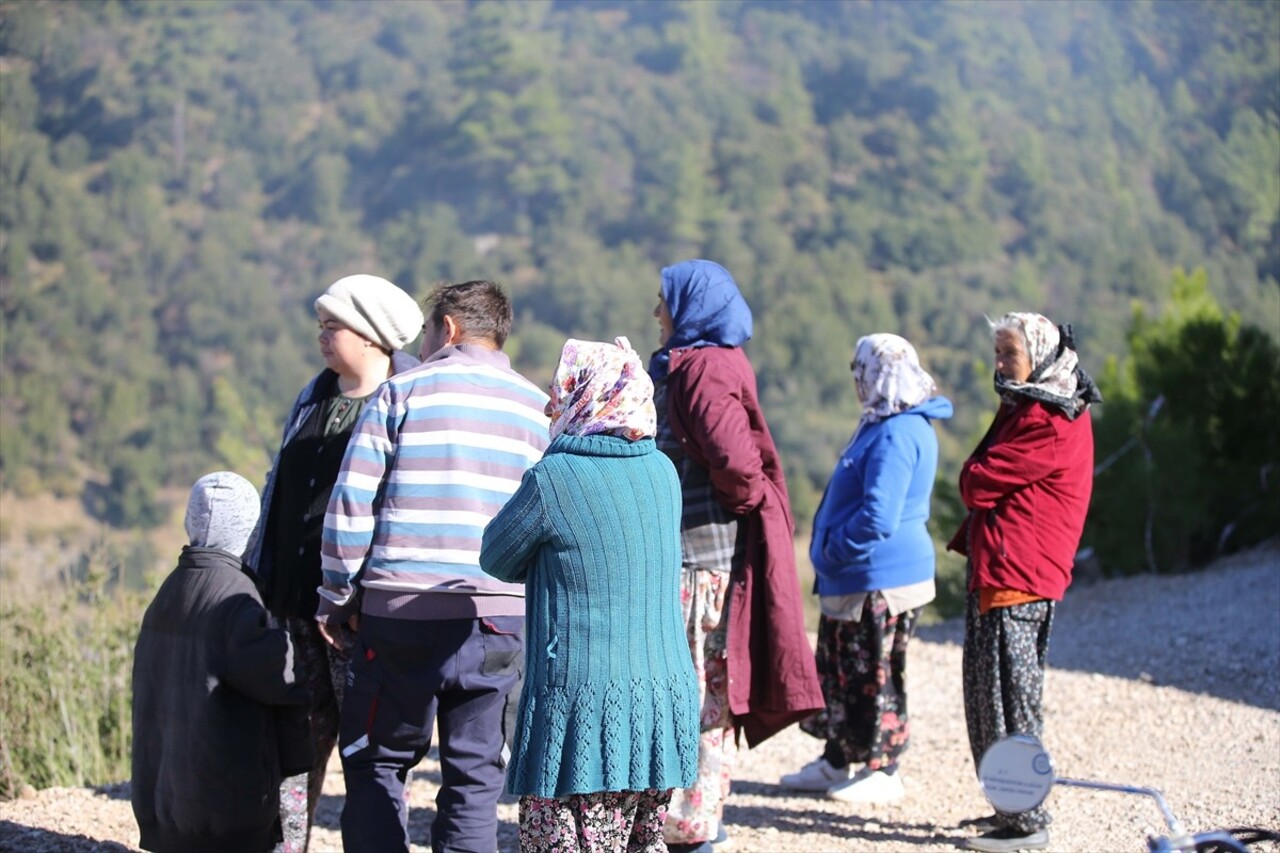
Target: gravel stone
x=1171, y=682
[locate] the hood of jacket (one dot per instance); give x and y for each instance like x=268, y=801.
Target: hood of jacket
x=222, y=512
x=935, y=409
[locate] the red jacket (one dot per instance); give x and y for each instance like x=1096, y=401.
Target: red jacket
x=1027, y=488
x=716, y=416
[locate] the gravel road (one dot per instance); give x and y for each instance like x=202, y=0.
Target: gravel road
x=1170, y=682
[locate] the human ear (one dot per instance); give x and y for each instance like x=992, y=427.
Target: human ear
x=452, y=331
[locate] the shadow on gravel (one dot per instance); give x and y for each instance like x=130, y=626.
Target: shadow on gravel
x=765, y=789
x=16, y=838
x=867, y=833
x=329, y=811
x=115, y=791
x=791, y=821
x=1211, y=632
x=872, y=834
x=950, y=632
x=1233, y=674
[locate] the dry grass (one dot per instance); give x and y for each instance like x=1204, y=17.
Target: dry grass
x=44, y=537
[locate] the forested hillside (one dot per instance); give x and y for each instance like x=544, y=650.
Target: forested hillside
x=179, y=180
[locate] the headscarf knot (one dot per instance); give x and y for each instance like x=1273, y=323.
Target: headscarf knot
x=1056, y=379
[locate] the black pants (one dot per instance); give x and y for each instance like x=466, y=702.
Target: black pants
x=1004, y=658
x=405, y=676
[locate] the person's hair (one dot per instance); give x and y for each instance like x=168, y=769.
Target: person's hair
x=480, y=308
x=1009, y=323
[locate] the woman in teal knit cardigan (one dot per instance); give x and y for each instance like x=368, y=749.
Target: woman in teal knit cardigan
x=608, y=718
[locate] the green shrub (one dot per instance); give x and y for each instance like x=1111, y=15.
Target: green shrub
x=1187, y=443
x=65, y=678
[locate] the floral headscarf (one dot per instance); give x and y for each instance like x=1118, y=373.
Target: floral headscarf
x=602, y=388
x=707, y=310
x=1056, y=375
x=888, y=377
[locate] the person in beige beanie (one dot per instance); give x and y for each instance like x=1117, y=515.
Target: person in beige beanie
x=365, y=323
x=373, y=308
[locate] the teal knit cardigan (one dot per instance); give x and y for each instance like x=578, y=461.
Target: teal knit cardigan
x=610, y=702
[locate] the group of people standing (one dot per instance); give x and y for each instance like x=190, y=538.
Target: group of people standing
x=439, y=538
x=1026, y=488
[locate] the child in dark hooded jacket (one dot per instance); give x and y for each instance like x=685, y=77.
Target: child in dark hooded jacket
x=211, y=680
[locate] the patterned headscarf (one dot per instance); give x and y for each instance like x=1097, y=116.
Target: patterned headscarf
x=602, y=388
x=888, y=377
x=1056, y=375
x=707, y=310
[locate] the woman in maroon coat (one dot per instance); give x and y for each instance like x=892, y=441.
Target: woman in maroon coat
x=739, y=588
x=1027, y=487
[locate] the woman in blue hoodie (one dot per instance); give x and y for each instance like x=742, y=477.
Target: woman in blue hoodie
x=874, y=562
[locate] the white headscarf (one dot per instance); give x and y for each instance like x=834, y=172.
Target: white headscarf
x=1056, y=375
x=888, y=377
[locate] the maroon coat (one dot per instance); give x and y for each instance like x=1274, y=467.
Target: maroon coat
x=1027, y=487
x=716, y=416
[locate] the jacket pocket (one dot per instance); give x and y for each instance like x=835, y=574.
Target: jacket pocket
x=502, y=638
x=1031, y=611
x=360, y=704
x=996, y=532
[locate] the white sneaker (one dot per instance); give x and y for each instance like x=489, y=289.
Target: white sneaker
x=868, y=786
x=817, y=775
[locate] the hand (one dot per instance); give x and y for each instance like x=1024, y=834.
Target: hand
x=330, y=636
x=334, y=637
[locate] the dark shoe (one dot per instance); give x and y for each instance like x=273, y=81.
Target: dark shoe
x=981, y=824
x=691, y=847
x=1008, y=840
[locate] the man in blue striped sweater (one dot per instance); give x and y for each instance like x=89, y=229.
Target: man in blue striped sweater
x=437, y=452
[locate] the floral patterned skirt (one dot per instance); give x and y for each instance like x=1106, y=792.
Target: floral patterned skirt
x=863, y=667
x=606, y=822
x=695, y=813
x=324, y=670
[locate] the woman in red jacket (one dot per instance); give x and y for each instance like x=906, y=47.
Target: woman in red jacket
x=1027, y=487
x=739, y=589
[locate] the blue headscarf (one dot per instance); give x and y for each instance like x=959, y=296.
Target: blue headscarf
x=707, y=310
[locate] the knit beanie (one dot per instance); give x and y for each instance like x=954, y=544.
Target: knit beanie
x=373, y=308
x=222, y=512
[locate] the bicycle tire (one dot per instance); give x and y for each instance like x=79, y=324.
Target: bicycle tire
x=1219, y=845
x=1241, y=837
x=1249, y=835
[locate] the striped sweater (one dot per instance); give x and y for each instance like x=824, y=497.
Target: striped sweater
x=436, y=453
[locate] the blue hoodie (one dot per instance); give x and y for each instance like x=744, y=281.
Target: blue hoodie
x=869, y=532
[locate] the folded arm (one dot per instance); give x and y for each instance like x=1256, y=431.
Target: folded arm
x=716, y=420
x=1027, y=456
